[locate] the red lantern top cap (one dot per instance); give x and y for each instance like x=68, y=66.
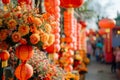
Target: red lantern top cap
x=107, y=23
x=71, y=3
x=5, y=1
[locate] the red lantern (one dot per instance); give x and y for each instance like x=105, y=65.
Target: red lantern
x=24, y=71
x=5, y=1
x=50, y=49
x=83, y=24
x=24, y=52
x=53, y=48
x=102, y=31
x=71, y=3
x=107, y=23
x=25, y=1
x=4, y=55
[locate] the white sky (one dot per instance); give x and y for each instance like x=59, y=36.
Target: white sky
x=105, y=8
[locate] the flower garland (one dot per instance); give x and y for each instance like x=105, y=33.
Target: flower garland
x=18, y=25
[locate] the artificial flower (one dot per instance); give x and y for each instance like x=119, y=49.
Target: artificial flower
x=7, y=15
x=1, y=22
x=47, y=28
x=16, y=36
x=34, y=38
x=44, y=37
x=3, y=45
x=33, y=29
x=3, y=34
x=12, y=24
x=23, y=41
x=23, y=29
x=51, y=39
x=37, y=22
x=30, y=19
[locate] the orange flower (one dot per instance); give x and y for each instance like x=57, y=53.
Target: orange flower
x=7, y=15
x=12, y=24
x=3, y=45
x=1, y=22
x=46, y=16
x=3, y=34
x=16, y=36
x=51, y=39
x=44, y=37
x=47, y=28
x=34, y=38
x=30, y=19
x=23, y=30
x=37, y=21
x=33, y=29
x=23, y=41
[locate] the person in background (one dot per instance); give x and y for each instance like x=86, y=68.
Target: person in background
x=97, y=53
x=89, y=49
x=117, y=58
x=113, y=65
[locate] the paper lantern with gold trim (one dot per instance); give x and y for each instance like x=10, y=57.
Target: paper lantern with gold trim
x=24, y=52
x=71, y=3
x=24, y=71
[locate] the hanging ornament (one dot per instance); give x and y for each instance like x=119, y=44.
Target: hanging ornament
x=24, y=71
x=24, y=52
x=5, y=1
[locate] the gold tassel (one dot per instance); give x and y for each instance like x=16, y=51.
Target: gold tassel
x=4, y=64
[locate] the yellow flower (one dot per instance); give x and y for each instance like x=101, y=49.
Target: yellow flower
x=23, y=30
x=16, y=36
x=51, y=39
x=44, y=37
x=34, y=38
x=1, y=22
x=47, y=28
x=41, y=31
x=3, y=34
x=12, y=24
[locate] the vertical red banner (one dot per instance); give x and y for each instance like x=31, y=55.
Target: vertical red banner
x=108, y=46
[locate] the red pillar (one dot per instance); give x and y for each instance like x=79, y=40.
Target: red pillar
x=108, y=47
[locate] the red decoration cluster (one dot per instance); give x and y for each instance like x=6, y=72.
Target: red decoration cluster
x=52, y=7
x=71, y=3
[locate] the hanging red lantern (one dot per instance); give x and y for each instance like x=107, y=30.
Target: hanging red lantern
x=24, y=52
x=25, y=1
x=24, y=71
x=4, y=55
x=5, y=1
x=102, y=32
x=83, y=24
x=107, y=23
x=71, y=3
x=53, y=48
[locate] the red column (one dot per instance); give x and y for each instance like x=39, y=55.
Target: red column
x=108, y=47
